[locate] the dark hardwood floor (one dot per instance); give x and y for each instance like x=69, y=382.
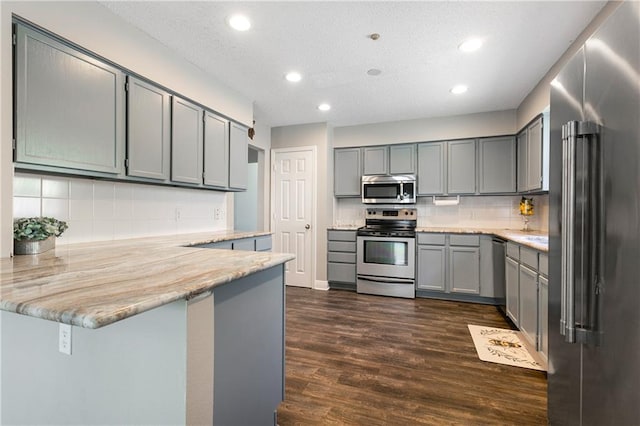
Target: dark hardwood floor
x=370, y=360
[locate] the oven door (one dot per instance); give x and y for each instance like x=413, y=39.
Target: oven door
x=386, y=257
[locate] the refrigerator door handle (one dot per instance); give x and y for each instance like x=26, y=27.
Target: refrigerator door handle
x=571, y=331
x=567, y=289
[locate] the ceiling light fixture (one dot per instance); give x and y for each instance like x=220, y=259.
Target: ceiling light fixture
x=293, y=76
x=324, y=107
x=459, y=89
x=239, y=22
x=374, y=71
x=470, y=45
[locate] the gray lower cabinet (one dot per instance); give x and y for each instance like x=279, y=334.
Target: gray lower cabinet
x=432, y=166
x=528, y=323
x=148, y=130
x=461, y=167
x=402, y=159
x=464, y=269
x=347, y=170
x=69, y=107
x=262, y=243
x=543, y=316
x=431, y=268
x=449, y=267
x=341, y=259
x=512, y=282
x=497, y=165
x=216, y=151
x=186, y=142
x=238, y=157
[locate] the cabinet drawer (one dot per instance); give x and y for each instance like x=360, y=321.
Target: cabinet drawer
x=342, y=236
x=341, y=272
x=433, y=239
x=245, y=245
x=263, y=244
x=529, y=257
x=342, y=246
x=464, y=240
x=513, y=250
x=341, y=257
x=543, y=268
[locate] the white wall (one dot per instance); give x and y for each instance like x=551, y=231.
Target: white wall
x=101, y=210
x=262, y=142
x=95, y=28
x=493, y=212
x=427, y=129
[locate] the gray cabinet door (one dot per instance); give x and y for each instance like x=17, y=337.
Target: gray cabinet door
x=497, y=163
x=432, y=168
x=512, y=279
x=148, y=130
x=521, y=141
x=543, y=316
x=248, y=244
x=464, y=270
x=238, y=157
x=461, y=167
x=529, y=304
x=534, y=155
x=186, y=142
x=347, y=172
x=216, y=151
x=69, y=107
x=402, y=159
x=431, y=268
x=376, y=160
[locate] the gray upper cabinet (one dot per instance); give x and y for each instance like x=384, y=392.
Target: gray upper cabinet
x=346, y=172
x=238, y=157
x=402, y=159
x=186, y=142
x=69, y=107
x=216, y=151
x=148, y=130
x=533, y=147
x=521, y=141
x=431, y=168
x=497, y=165
x=534, y=155
x=376, y=160
x=461, y=167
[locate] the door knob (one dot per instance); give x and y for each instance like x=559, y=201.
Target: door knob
x=307, y=226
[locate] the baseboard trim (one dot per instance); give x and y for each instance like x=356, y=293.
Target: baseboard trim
x=321, y=285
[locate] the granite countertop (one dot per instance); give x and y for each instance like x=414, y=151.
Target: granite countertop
x=533, y=239
x=95, y=284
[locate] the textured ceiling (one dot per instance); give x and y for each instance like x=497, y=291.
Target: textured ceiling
x=328, y=43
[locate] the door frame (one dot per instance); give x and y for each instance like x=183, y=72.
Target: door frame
x=314, y=200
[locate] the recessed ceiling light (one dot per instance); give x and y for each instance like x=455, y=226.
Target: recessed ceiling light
x=324, y=107
x=293, y=76
x=239, y=22
x=470, y=45
x=374, y=71
x=459, y=89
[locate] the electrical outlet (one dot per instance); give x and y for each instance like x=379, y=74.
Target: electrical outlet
x=217, y=213
x=64, y=341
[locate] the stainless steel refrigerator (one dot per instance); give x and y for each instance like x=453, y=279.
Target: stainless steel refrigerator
x=594, y=232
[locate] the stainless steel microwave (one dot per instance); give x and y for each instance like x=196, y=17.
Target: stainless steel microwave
x=389, y=189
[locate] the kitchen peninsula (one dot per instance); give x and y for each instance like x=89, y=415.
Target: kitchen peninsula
x=162, y=332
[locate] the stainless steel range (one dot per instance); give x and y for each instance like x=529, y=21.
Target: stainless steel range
x=386, y=253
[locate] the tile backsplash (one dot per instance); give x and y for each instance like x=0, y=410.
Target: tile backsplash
x=498, y=212
x=102, y=210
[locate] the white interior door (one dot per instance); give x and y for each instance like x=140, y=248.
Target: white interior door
x=293, y=195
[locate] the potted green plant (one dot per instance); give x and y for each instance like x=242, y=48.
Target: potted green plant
x=33, y=235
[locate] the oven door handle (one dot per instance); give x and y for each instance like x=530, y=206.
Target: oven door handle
x=385, y=280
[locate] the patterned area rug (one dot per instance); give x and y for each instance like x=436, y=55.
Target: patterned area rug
x=502, y=346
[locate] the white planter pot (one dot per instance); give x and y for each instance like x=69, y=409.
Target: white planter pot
x=33, y=247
